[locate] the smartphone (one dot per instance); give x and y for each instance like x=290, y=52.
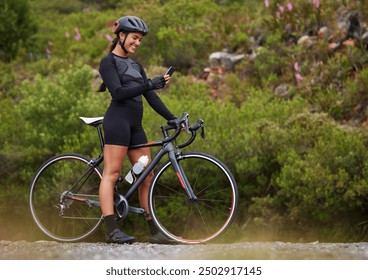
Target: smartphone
x=170, y=71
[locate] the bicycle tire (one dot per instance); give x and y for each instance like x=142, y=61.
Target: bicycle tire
x=51, y=191
x=200, y=221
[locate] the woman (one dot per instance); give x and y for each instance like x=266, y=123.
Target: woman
x=127, y=82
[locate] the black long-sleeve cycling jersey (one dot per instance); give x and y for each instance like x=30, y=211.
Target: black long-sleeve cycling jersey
x=127, y=82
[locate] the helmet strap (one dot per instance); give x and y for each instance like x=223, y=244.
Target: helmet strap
x=122, y=44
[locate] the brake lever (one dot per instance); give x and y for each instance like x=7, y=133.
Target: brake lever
x=203, y=135
x=186, y=124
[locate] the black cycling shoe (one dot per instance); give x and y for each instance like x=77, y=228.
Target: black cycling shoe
x=159, y=238
x=119, y=237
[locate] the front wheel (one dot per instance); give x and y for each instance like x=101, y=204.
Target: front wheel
x=64, y=198
x=198, y=221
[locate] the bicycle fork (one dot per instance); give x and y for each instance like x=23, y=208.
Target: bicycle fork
x=181, y=176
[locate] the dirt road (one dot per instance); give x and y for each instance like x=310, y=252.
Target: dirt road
x=50, y=250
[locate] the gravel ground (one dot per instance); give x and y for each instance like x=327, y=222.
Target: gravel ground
x=51, y=250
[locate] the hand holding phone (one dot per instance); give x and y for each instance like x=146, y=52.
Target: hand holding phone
x=170, y=71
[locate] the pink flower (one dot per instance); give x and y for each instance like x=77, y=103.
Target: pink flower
x=267, y=3
x=77, y=36
x=316, y=3
x=67, y=34
x=296, y=67
x=108, y=37
x=281, y=8
x=298, y=77
x=290, y=6
x=278, y=15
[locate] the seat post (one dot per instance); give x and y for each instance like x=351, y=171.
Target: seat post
x=100, y=136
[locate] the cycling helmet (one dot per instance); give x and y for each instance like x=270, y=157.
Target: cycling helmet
x=130, y=24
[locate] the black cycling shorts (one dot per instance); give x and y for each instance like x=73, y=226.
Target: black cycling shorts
x=123, y=124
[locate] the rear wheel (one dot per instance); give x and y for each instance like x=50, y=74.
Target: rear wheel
x=209, y=215
x=64, y=199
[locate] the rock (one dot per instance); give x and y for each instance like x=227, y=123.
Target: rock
x=282, y=90
x=224, y=60
x=365, y=39
x=307, y=41
x=324, y=33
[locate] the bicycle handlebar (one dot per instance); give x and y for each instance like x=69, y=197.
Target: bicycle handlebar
x=180, y=124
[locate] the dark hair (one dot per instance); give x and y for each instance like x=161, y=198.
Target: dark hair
x=102, y=87
x=114, y=43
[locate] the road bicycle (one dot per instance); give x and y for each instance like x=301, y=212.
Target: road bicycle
x=193, y=197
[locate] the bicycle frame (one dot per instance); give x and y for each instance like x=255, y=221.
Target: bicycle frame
x=169, y=149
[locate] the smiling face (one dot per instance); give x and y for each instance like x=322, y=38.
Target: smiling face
x=132, y=41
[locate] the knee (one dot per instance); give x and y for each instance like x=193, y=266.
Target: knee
x=111, y=176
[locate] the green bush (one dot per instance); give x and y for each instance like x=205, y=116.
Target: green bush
x=49, y=112
x=320, y=174
x=17, y=27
